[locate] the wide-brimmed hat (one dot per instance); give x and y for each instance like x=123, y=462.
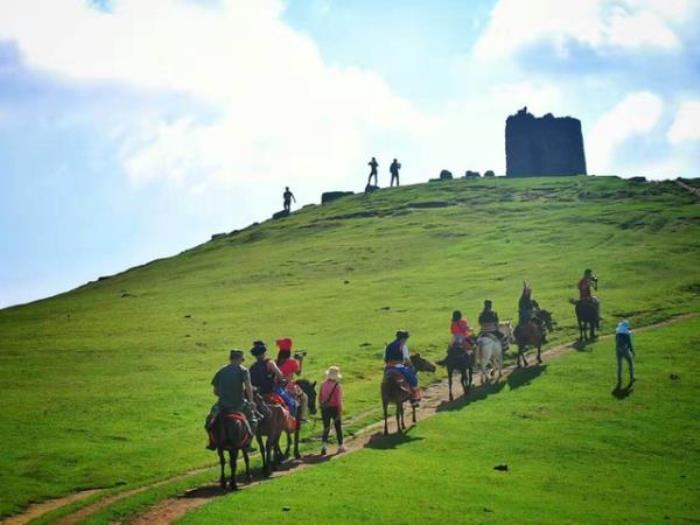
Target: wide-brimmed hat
x=258, y=349
x=333, y=372
x=236, y=354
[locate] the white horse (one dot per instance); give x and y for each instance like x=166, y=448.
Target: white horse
x=489, y=350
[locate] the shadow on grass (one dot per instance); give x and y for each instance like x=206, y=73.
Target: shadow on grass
x=622, y=393
x=582, y=345
x=207, y=491
x=524, y=376
x=379, y=441
x=477, y=394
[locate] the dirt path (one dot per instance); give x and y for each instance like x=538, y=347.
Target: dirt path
x=171, y=509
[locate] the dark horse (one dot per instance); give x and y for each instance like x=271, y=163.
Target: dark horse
x=309, y=389
x=231, y=434
x=461, y=359
x=272, y=425
x=530, y=334
x=395, y=389
x=588, y=319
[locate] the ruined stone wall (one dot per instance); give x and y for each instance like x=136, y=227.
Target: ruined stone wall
x=544, y=146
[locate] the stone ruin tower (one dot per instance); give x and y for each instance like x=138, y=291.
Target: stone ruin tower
x=544, y=146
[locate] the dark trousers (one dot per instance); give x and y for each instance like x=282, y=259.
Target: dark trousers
x=327, y=414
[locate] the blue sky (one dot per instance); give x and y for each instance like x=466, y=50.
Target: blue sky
x=131, y=130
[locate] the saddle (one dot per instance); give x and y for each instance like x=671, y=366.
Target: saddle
x=244, y=439
x=399, y=378
x=291, y=423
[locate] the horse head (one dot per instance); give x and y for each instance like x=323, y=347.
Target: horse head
x=422, y=365
x=546, y=318
x=506, y=328
x=309, y=389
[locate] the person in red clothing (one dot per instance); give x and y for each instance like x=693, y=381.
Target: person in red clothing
x=460, y=330
x=586, y=285
x=330, y=398
x=290, y=367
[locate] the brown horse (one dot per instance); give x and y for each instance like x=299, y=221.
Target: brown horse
x=530, y=334
x=271, y=425
x=395, y=389
x=231, y=433
x=309, y=389
x=588, y=318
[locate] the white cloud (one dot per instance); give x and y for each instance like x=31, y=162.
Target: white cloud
x=600, y=24
x=686, y=125
x=636, y=114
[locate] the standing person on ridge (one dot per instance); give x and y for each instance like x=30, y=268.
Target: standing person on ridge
x=624, y=350
x=394, y=169
x=288, y=198
x=330, y=398
x=373, y=164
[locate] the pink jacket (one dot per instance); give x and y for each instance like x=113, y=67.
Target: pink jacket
x=334, y=400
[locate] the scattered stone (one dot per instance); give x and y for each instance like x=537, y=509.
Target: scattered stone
x=218, y=236
x=637, y=179
x=469, y=174
x=486, y=509
x=545, y=146
x=103, y=278
x=502, y=467
x=385, y=308
x=188, y=316
x=366, y=344
x=371, y=188
x=187, y=335
x=280, y=215
x=674, y=377
x=489, y=173
x=126, y=294
x=286, y=509
x=446, y=175
x=330, y=196
x=346, y=282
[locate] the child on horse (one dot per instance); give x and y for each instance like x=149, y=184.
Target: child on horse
x=291, y=366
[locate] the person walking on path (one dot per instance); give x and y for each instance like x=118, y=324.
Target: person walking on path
x=373, y=164
x=394, y=169
x=624, y=350
x=331, y=400
x=288, y=198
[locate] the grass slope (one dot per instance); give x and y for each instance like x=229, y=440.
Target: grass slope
x=576, y=454
x=108, y=383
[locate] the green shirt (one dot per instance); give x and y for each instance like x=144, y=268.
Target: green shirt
x=229, y=382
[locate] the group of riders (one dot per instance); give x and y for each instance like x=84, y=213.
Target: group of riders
x=275, y=380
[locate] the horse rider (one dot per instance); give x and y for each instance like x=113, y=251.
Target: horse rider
x=373, y=165
x=589, y=282
x=289, y=367
x=234, y=391
x=264, y=374
x=527, y=311
x=488, y=323
x=397, y=357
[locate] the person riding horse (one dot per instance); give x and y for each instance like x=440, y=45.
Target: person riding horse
x=397, y=357
x=264, y=374
x=589, y=282
x=528, y=309
x=290, y=367
x=460, y=330
x=488, y=323
x=234, y=391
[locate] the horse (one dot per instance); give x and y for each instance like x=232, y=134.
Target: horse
x=230, y=433
x=272, y=425
x=489, y=349
x=587, y=317
x=395, y=389
x=462, y=359
x=530, y=334
x=309, y=389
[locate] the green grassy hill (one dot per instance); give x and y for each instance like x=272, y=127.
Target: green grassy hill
x=108, y=384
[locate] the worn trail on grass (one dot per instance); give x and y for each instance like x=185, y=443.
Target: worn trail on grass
x=171, y=509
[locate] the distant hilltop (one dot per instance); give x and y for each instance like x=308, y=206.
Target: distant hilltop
x=544, y=146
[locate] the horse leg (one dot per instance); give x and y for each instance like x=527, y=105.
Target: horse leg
x=222, y=462
x=386, y=416
x=233, y=455
x=246, y=460
x=263, y=451
x=539, y=352
x=297, y=455
x=403, y=421
x=463, y=380
x=449, y=382
x=413, y=407
x=398, y=416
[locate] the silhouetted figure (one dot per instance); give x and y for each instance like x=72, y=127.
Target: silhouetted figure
x=394, y=169
x=288, y=198
x=373, y=164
